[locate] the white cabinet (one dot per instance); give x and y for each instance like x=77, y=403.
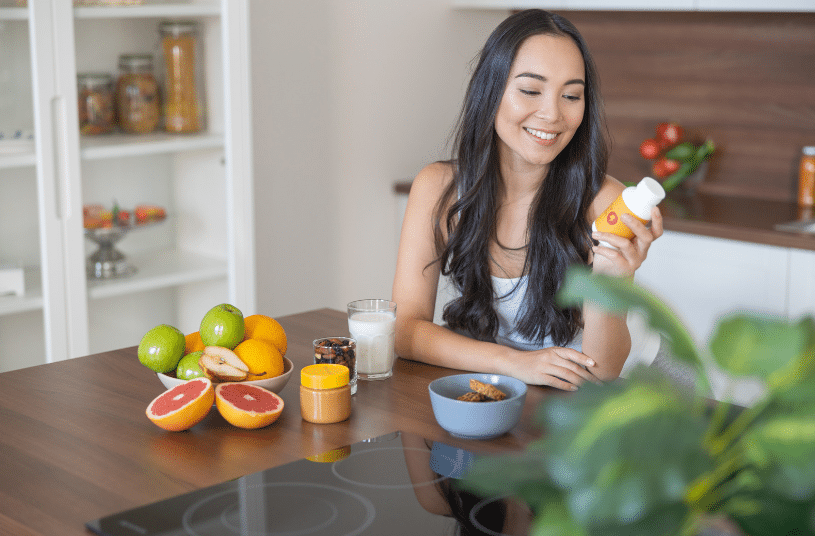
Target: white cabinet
x=703, y=278
x=201, y=255
x=642, y=5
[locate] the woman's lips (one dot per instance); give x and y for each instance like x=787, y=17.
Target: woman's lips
x=542, y=137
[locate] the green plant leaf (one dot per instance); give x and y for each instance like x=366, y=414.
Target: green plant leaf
x=622, y=451
x=618, y=295
x=759, y=345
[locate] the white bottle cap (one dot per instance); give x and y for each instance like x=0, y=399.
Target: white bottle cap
x=809, y=150
x=641, y=199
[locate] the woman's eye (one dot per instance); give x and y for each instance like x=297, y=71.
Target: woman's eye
x=572, y=97
x=529, y=92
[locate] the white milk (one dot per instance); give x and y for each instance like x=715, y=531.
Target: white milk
x=374, y=333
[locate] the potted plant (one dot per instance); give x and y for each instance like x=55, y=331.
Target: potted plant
x=642, y=456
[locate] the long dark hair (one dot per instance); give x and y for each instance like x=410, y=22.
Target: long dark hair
x=559, y=234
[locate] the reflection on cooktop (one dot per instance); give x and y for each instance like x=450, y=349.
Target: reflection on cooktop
x=395, y=484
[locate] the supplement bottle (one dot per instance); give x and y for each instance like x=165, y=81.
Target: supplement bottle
x=325, y=395
x=637, y=201
x=806, y=178
x=137, y=98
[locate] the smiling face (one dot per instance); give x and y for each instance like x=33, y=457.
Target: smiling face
x=543, y=102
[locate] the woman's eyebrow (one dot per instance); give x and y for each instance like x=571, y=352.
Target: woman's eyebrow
x=544, y=79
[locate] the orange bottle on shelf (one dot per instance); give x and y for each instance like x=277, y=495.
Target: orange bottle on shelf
x=806, y=177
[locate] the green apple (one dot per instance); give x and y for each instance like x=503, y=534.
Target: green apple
x=161, y=348
x=188, y=366
x=222, y=326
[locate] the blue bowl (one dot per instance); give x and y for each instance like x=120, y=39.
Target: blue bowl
x=476, y=420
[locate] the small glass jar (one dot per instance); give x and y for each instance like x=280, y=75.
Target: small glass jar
x=137, y=98
x=325, y=395
x=338, y=350
x=182, y=108
x=96, y=112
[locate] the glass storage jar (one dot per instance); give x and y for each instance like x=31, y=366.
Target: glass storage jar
x=137, y=97
x=96, y=113
x=182, y=108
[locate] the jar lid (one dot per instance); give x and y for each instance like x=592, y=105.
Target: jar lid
x=809, y=150
x=324, y=376
x=92, y=80
x=136, y=61
x=177, y=27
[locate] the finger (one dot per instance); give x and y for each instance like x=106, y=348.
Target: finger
x=574, y=356
x=610, y=239
x=643, y=233
x=559, y=383
x=657, y=227
x=569, y=370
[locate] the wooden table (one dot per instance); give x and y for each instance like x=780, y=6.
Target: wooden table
x=75, y=444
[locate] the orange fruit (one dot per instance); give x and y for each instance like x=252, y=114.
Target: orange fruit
x=183, y=406
x=266, y=328
x=247, y=406
x=263, y=359
x=193, y=343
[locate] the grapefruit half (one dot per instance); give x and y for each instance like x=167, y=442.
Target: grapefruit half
x=183, y=406
x=247, y=406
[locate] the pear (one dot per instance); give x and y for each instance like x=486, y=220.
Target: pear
x=221, y=364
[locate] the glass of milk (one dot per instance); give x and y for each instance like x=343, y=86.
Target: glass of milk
x=373, y=324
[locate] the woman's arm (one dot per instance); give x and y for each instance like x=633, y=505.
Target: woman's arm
x=605, y=336
x=414, y=291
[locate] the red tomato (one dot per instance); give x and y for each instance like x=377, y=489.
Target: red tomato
x=669, y=134
x=649, y=149
x=665, y=167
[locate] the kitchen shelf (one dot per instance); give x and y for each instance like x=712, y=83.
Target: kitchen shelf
x=13, y=13
x=31, y=301
x=161, y=269
x=148, y=10
x=18, y=159
x=119, y=145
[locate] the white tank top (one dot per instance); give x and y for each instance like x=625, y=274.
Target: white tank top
x=508, y=300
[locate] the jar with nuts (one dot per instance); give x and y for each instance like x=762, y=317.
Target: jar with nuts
x=339, y=351
x=137, y=97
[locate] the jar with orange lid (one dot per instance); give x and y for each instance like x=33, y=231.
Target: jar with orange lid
x=325, y=394
x=182, y=107
x=137, y=97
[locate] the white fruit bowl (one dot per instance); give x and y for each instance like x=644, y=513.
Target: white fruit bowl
x=274, y=385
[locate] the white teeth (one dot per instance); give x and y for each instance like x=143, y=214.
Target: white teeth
x=541, y=134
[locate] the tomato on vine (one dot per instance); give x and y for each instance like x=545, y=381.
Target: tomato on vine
x=669, y=134
x=649, y=149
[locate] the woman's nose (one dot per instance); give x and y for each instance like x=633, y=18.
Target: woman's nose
x=548, y=109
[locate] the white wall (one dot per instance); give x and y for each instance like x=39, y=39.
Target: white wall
x=349, y=97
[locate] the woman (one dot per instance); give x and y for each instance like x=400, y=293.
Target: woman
x=512, y=212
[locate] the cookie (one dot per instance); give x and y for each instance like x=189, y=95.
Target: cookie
x=490, y=391
x=472, y=396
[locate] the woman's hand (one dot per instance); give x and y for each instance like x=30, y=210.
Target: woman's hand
x=558, y=367
x=630, y=254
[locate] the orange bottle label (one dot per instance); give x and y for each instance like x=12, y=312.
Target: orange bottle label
x=610, y=221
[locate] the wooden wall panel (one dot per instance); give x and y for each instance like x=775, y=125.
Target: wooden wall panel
x=747, y=80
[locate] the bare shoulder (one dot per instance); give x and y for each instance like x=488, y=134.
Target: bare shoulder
x=609, y=191
x=433, y=179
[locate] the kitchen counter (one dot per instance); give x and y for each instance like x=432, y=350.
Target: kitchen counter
x=735, y=218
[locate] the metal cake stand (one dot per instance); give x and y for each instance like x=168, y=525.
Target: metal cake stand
x=107, y=262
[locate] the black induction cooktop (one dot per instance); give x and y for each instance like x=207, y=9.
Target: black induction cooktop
x=396, y=484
